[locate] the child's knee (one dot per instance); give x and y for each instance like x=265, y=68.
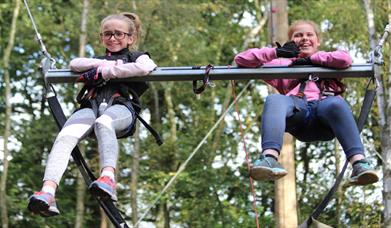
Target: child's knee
x=103, y=121
x=334, y=106
x=274, y=99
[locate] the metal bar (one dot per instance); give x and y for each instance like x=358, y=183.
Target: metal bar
x=228, y=73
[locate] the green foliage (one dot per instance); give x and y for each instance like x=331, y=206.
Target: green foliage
x=213, y=191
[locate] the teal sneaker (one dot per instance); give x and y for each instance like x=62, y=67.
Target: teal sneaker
x=267, y=168
x=363, y=174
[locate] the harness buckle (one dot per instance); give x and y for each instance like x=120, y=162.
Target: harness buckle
x=313, y=78
x=328, y=93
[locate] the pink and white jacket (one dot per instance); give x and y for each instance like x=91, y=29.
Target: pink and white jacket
x=111, y=69
x=257, y=57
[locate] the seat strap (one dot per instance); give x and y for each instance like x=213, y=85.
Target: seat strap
x=155, y=134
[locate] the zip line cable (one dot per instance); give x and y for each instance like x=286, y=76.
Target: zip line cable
x=183, y=166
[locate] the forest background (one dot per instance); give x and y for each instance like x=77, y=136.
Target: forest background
x=214, y=189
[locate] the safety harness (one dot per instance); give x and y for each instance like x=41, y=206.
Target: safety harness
x=327, y=86
x=124, y=93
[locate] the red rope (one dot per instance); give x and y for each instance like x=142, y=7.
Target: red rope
x=247, y=156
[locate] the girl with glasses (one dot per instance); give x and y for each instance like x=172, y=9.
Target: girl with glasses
x=106, y=109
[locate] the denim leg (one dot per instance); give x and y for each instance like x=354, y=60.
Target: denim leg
x=336, y=113
x=276, y=110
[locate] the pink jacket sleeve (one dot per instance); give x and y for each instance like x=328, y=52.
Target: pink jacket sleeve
x=115, y=69
x=335, y=59
x=255, y=57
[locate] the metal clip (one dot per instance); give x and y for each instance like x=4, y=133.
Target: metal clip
x=102, y=107
x=313, y=78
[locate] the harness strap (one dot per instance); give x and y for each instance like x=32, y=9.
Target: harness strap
x=369, y=97
x=82, y=95
x=130, y=105
x=155, y=134
x=300, y=94
x=324, y=86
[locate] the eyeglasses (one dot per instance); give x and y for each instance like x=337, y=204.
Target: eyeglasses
x=117, y=35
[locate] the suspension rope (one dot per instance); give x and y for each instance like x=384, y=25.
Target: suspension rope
x=39, y=38
x=248, y=161
x=183, y=166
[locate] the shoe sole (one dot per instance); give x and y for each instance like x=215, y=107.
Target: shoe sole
x=40, y=207
x=366, y=178
x=265, y=174
x=101, y=193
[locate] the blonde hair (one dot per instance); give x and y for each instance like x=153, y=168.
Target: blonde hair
x=131, y=19
x=298, y=22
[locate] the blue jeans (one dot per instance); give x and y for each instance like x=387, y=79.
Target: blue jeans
x=319, y=120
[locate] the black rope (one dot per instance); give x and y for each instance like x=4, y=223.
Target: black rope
x=205, y=80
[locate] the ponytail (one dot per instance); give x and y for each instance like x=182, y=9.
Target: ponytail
x=136, y=27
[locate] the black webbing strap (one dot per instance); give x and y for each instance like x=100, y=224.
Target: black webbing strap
x=365, y=109
x=108, y=206
x=155, y=134
x=369, y=97
x=300, y=94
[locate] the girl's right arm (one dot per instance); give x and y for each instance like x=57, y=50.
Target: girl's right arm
x=255, y=57
x=142, y=66
x=84, y=64
x=115, y=69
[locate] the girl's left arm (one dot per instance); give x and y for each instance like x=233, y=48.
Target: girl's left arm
x=336, y=59
x=142, y=66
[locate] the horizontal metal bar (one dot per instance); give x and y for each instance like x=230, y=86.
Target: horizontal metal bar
x=228, y=73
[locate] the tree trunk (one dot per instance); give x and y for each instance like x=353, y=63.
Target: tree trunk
x=135, y=174
x=338, y=204
x=285, y=188
x=163, y=219
x=8, y=109
x=386, y=148
x=261, y=18
x=385, y=118
x=81, y=185
x=372, y=42
x=104, y=220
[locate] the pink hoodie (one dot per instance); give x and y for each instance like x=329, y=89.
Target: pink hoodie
x=257, y=57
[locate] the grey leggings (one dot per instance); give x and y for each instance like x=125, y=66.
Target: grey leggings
x=310, y=121
x=114, y=120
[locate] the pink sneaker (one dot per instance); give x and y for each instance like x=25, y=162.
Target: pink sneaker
x=104, y=187
x=43, y=203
